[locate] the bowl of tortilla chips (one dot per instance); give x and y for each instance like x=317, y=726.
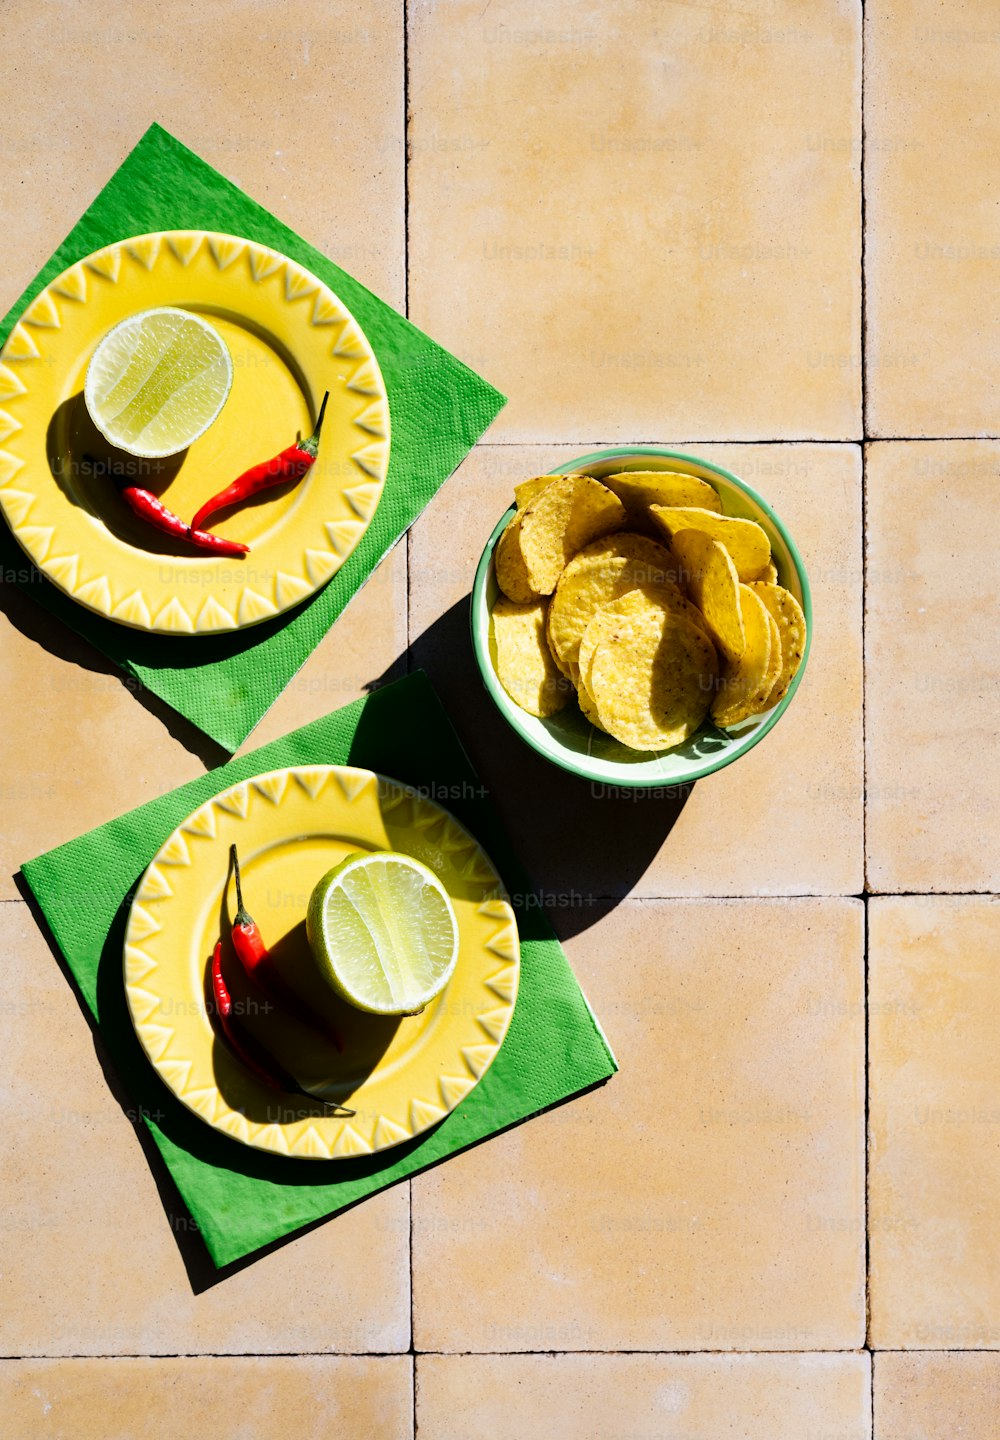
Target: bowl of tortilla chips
x=641, y=617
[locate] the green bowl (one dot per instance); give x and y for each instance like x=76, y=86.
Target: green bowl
x=568, y=739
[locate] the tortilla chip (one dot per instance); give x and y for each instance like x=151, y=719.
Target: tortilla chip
x=524, y=664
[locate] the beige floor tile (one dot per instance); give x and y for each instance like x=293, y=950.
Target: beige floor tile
x=669, y=1397
x=932, y=227
x=936, y=1397
x=310, y=1398
x=785, y=819
x=934, y=992
x=933, y=668
x=642, y=219
x=80, y=749
x=89, y=1261
x=711, y=1195
x=301, y=106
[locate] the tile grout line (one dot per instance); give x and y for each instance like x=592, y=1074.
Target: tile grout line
x=457, y=1354
x=502, y=1354
x=658, y=440
x=864, y=732
x=860, y=440
x=225, y=1355
x=669, y=1354
x=867, y=1132
x=864, y=725
x=927, y=894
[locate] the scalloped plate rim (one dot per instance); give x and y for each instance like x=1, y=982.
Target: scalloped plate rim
x=331, y=1130
x=160, y=612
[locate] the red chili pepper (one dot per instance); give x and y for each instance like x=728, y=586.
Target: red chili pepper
x=149, y=507
x=249, y=1052
x=290, y=464
x=272, y=1074
x=259, y=965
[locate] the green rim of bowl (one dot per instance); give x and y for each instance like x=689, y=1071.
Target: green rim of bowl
x=610, y=773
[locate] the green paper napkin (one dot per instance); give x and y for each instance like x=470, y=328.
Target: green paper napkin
x=438, y=407
x=241, y=1198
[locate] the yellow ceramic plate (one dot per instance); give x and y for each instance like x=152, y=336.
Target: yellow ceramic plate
x=290, y=338
x=400, y=1075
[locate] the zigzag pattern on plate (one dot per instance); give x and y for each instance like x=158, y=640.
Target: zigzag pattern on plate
x=26, y=345
x=321, y=1137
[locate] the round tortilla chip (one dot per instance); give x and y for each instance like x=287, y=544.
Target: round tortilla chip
x=590, y=581
x=508, y=563
x=568, y=514
x=524, y=663
x=787, y=614
x=764, y=701
x=653, y=681
x=588, y=706
x=529, y=489
x=714, y=587
x=619, y=614
x=639, y=489
x=748, y=545
x=629, y=545
x=742, y=681
x=567, y=669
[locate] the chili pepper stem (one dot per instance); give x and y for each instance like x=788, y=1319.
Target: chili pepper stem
x=242, y=917
x=311, y=446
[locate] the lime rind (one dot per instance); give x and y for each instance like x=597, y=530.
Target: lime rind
x=384, y=932
x=157, y=381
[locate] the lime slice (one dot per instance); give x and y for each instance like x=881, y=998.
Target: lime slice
x=383, y=932
x=157, y=381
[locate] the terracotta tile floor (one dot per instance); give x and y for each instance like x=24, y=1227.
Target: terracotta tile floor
x=644, y=222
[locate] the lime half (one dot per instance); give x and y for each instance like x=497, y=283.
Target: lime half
x=384, y=933
x=157, y=381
